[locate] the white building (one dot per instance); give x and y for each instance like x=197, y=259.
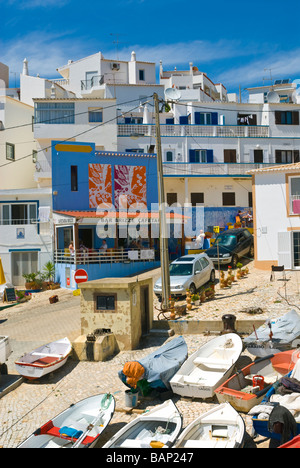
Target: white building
x=25, y=231
x=192, y=84
x=276, y=215
x=72, y=119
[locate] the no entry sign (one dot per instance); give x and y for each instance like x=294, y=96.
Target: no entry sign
x=80, y=276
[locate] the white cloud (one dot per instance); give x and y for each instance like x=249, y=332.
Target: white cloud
x=31, y=4
x=280, y=65
x=200, y=51
x=44, y=52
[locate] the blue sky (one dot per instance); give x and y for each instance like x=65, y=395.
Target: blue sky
x=233, y=42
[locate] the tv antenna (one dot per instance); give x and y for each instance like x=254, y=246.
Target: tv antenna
x=117, y=42
x=268, y=79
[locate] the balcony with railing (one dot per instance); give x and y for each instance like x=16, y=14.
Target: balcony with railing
x=213, y=169
x=211, y=131
x=98, y=256
x=94, y=81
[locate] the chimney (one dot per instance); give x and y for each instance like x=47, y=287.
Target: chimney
x=25, y=67
x=133, y=56
x=53, y=91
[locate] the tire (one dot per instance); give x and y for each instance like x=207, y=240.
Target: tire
x=193, y=288
x=212, y=276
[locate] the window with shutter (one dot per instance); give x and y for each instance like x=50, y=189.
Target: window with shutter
x=171, y=198
x=228, y=198
x=184, y=120
x=258, y=156
x=230, y=156
x=287, y=117
x=197, y=198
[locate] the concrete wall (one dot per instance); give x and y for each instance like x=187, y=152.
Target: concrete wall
x=126, y=321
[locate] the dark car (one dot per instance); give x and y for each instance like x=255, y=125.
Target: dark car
x=230, y=246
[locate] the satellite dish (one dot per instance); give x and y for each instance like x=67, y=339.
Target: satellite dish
x=273, y=97
x=172, y=94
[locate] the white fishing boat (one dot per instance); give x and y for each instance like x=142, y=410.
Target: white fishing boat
x=208, y=367
x=221, y=427
x=79, y=426
x=5, y=349
x=157, y=428
x=275, y=335
x=45, y=359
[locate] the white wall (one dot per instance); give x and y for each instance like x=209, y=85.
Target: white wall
x=33, y=240
x=17, y=120
x=211, y=187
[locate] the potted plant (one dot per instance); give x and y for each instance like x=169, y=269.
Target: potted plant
x=32, y=281
x=49, y=271
x=196, y=299
x=239, y=271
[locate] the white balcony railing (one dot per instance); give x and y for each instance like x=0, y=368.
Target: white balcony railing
x=218, y=131
x=213, y=169
x=100, y=256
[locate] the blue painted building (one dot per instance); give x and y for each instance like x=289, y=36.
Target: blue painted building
x=101, y=210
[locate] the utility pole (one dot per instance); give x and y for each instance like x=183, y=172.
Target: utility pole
x=163, y=233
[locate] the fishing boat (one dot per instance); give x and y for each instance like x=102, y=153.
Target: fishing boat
x=157, y=428
x=79, y=426
x=221, y=427
x=247, y=387
x=275, y=399
x=294, y=443
x=275, y=335
x=5, y=349
x=207, y=368
x=45, y=359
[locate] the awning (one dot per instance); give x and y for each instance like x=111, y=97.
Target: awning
x=65, y=217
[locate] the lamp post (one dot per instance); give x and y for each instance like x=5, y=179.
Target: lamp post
x=163, y=233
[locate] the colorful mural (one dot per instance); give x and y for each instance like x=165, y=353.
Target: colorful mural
x=130, y=185
x=100, y=184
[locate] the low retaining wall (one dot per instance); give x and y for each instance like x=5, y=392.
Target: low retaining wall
x=194, y=327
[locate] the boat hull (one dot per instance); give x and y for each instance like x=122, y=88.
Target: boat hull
x=208, y=367
x=79, y=426
x=220, y=427
x=157, y=428
x=238, y=389
x=5, y=349
x=44, y=360
x=31, y=372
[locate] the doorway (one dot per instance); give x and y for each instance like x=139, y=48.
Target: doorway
x=23, y=263
x=145, y=319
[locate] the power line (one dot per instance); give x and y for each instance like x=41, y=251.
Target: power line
x=96, y=109
x=70, y=138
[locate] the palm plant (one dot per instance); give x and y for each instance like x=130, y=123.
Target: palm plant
x=49, y=271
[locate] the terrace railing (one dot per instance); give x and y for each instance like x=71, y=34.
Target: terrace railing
x=219, y=131
x=84, y=257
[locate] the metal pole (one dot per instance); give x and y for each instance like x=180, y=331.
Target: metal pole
x=163, y=234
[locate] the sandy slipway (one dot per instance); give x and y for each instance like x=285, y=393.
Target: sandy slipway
x=32, y=404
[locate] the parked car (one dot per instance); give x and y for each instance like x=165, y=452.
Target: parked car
x=188, y=272
x=230, y=246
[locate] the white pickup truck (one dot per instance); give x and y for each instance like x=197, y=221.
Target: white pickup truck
x=5, y=351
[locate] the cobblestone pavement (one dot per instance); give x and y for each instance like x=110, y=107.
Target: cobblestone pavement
x=29, y=325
